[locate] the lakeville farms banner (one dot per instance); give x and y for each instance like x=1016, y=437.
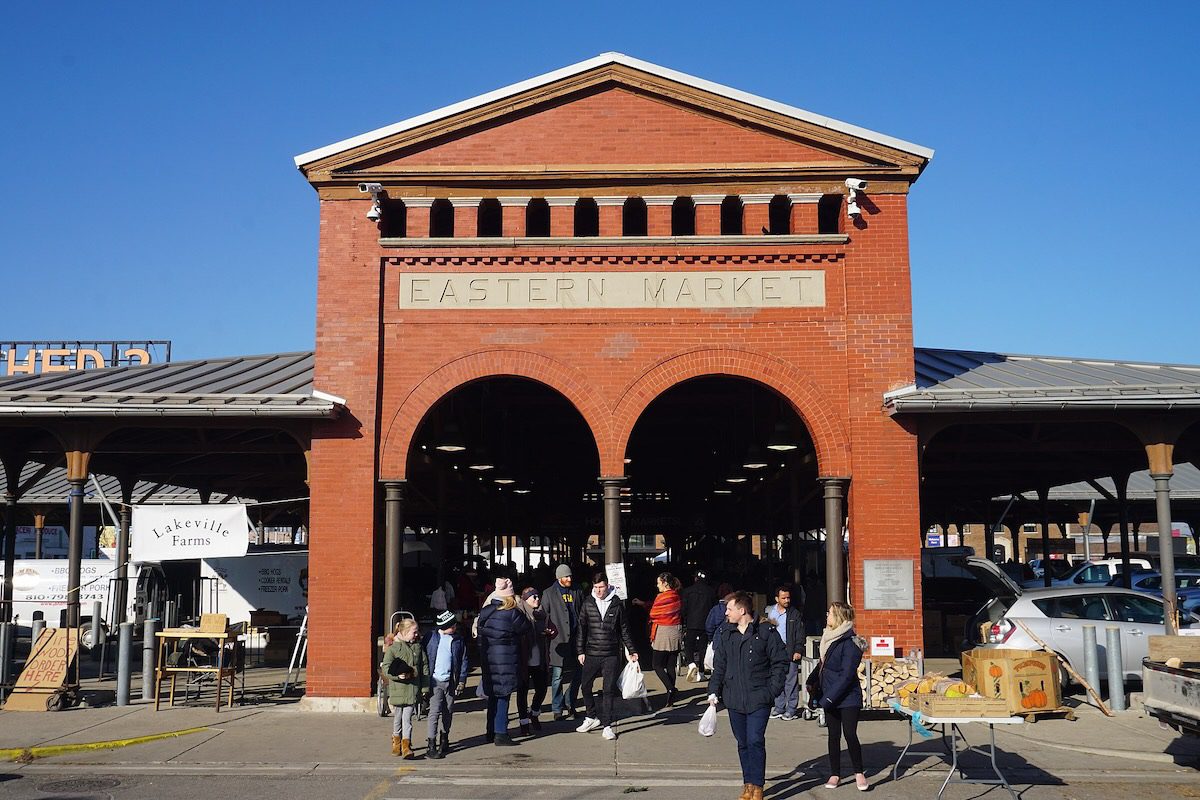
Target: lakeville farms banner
x=172, y=533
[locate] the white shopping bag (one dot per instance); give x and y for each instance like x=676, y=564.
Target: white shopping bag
x=708, y=723
x=708, y=658
x=633, y=685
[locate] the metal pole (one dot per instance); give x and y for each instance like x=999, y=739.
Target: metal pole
x=6, y=632
x=1044, y=496
x=393, y=559
x=1122, y=482
x=39, y=625
x=97, y=628
x=74, y=550
x=169, y=614
x=1091, y=656
x=835, y=577
x=10, y=555
x=1087, y=537
x=124, y=645
x=1166, y=552
x=612, y=519
x=39, y=526
x=1116, y=672
x=122, y=599
x=149, y=642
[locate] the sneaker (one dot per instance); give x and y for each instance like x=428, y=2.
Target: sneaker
x=589, y=724
x=775, y=714
x=693, y=673
x=788, y=717
x=609, y=733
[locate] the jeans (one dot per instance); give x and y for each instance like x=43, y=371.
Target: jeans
x=843, y=720
x=608, y=667
x=790, y=696
x=441, y=707
x=402, y=718
x=695, y=643
x=750, y=730
x=497, y=714
x=557, y=700
x=537, y=679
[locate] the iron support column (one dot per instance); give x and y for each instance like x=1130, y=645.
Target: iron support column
x=1122, y=482
x=835, y=513
x=39, y=527
x=1044, y=497
x=393, y=560
x=1166, y=551
x=74, y=548
x=612, y=519
x=122, y=593
x=10, y=554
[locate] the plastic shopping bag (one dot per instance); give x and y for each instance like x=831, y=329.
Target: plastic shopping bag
x=708, y=658
x=708, y=723
x=633, y=685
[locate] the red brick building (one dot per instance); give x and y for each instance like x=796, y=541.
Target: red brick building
x=687, y=230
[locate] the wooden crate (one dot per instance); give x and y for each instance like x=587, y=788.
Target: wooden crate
x=936, y=705
x=1185, y=648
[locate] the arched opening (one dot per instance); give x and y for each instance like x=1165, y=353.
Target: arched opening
x=722, y=476
x=731, y=216
x=587, y=217
x=537, y=217
x=498, y=471
x=780, y=215
x=633, y=217
x=683, y=217
x=441, y=219
x=394, y=223
x=829, y=214
x=489, y=219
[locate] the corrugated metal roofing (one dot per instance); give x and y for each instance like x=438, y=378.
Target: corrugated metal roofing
x=276, y=384
x=956, y=380
x=1185, y=484
x=52, y=488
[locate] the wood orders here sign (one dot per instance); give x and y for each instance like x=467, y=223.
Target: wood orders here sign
x=46, y=670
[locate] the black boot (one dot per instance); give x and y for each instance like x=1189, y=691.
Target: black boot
x=489, y=737
x=431, y=749
x=670, y=698
x=504, y=740
x=444, y=745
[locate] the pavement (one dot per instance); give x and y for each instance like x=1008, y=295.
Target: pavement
x=661, y=753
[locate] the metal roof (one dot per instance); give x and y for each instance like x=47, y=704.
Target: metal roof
x=276, y=384
x=599, y=61
x=966, y=380
x=52, y=488
x=1185, y=484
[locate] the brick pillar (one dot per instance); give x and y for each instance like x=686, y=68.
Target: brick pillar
x=562, y=215
x=466, y=216
x=708, y=214
x=417, y=219
x=756, y=214
x=512, y=211
x=658, y=215
x=612, y=212
x=803, y=214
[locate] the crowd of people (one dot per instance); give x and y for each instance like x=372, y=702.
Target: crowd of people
x=559, y=640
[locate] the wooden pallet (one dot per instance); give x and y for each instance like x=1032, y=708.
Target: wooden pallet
x=1063, y=712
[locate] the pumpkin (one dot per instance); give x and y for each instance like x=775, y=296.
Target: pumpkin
x=995, y=671
x=1026, y=701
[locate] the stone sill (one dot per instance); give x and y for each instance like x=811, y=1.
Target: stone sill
x=615, y=241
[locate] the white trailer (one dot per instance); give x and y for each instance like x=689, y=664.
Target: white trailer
x=275, y=581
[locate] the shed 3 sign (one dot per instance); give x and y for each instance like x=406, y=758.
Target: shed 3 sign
x=172, y=533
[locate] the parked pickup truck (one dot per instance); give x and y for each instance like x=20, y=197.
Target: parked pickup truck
x=1171, y=694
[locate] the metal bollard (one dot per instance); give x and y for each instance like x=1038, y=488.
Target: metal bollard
x=39, y=625
x=6, y=632
x=98, y=633
x=149, y=643
x=124, y=645
x=1116, y=671
x=1091, y=657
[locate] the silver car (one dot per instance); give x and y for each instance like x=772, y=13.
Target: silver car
x=1057, y=617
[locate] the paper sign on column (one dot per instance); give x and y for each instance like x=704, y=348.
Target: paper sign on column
x=171, y=533
x=616, y=579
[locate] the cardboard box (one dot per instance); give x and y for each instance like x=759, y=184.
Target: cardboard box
x=1028, y=680
x=935, y=705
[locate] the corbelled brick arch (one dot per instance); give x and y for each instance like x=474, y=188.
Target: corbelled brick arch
x=494, y=363
x=814, y=408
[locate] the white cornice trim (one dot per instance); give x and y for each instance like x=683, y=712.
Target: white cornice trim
x=611, y=200
x=707, y=199
x=756, y=199
x=659, y=200
x=805, y=198
x=601, y=60
x=465, y=202
x=418, y=202
x=561, y=201
x=514, y=201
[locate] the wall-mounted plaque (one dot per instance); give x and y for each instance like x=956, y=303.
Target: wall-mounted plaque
x=888, y=585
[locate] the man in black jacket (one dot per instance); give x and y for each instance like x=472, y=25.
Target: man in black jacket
x=603, y=633
x=749, y=668
x=789, y=623
x=696, y=601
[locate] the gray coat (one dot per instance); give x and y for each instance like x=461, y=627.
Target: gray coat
x=562, y=646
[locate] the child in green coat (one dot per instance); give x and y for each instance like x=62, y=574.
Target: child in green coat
x=407, y=671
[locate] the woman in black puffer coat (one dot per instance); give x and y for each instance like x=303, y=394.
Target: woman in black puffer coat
x=840, y=691
x=503, y=632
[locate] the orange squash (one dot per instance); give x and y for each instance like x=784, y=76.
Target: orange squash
x=995, y=671
x=1026, y=701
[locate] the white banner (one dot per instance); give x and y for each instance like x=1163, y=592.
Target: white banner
x=172, y=533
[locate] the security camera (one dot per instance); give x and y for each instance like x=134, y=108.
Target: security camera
x=376, y=188
x=851, y=183
x=375, y=213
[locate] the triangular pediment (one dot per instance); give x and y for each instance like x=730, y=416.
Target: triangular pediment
x=608, y=114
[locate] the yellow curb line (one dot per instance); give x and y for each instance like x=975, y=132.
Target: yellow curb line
x=46, y=751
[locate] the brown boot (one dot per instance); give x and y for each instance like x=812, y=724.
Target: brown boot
x=756, y=792
x=406, y=752
x=745, y=795
x=395, y=745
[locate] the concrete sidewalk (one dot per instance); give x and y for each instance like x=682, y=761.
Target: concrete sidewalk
x=665, y=746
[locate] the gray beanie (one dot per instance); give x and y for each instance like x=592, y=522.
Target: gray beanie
x=563, y=571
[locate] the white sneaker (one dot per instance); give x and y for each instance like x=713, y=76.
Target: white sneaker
x=589, y=724
x=609, y=733
x=693, y=673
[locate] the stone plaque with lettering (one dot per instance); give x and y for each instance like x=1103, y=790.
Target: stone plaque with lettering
x=566, y=290
x=888, y=585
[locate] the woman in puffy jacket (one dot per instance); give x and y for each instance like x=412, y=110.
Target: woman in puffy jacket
x=503, y=632
x=840, y=691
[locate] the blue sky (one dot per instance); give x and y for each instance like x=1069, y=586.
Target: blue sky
x=149, y=191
